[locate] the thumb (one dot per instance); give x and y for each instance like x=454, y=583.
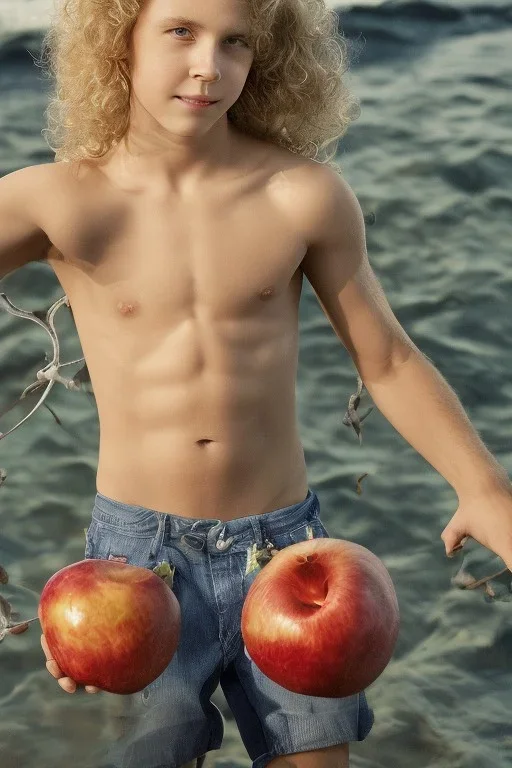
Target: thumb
x=454, y=538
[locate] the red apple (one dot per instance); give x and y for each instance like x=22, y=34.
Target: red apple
x=110, y=624
x=321, y=618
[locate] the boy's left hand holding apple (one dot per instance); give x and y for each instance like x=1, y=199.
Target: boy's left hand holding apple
x=66, y=683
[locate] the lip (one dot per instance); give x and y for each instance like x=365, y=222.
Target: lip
x=206, y=99
x=198, y=105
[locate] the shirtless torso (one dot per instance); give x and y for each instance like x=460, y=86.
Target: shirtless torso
x=187, y=313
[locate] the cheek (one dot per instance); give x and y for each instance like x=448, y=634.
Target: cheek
x=150, y=84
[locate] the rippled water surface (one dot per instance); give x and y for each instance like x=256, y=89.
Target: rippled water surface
x=431, y=157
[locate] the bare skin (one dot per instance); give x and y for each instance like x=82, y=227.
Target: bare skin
x=184, y=279
x=66, y=683
x=187, y=313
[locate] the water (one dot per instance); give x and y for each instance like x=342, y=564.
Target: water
x=431, y=156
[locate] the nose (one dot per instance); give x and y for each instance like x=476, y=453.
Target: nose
x=205, y=64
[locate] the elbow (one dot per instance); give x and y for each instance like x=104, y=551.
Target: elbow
x=375, y=371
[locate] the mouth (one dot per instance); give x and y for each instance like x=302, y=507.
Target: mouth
x=194, y=102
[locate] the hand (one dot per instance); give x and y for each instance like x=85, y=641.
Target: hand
x=487, y=518
x=66, y=683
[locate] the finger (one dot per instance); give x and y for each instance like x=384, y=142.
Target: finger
x=51, y=665
x=54, y=670
x=458, y=547
x=44, y=646
x=67, y=684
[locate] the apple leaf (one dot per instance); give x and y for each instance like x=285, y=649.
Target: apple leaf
x=166, y=572
x=265, y=555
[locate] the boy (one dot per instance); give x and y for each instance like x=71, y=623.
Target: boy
x=182, y=251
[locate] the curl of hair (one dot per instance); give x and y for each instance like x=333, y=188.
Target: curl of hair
x=294, y=95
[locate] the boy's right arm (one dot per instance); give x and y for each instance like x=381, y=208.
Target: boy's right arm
x=22, y=240
x=22, y=237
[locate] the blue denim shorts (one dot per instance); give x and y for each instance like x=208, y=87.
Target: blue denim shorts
x=173, y=720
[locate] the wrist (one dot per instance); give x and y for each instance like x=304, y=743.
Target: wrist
x=493, y=480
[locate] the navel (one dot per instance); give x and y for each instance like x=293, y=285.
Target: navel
x=266, y=293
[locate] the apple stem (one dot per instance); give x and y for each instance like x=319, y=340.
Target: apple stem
x=19, y=623
x=15, y=628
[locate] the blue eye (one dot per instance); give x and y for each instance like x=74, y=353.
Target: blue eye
x=229, y=38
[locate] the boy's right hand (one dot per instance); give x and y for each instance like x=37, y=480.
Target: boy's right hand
x=66, y=683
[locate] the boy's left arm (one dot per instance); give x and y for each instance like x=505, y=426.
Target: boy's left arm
x=406, y=388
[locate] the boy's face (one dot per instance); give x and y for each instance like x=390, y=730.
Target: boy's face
x=171, y=58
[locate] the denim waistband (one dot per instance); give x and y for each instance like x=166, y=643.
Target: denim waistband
x=123, y=515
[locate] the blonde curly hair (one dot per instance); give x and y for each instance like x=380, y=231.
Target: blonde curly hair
x=294, y=94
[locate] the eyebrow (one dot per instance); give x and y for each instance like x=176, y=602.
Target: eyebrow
x=197, y=25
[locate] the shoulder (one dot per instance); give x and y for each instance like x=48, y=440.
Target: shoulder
x=50, y=195
x=44, y=173
x=42, y=181
x=28, y=188
x=30, y=180
x=319, y=198
x=64, y=185
x=50, y=185
x=327, y=194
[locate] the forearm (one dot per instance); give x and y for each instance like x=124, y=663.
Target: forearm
x=416, y=399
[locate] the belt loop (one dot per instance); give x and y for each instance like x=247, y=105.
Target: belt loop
x=259, y=533
x=158, y=541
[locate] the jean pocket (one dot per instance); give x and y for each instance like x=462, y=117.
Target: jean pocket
x=105, y=543
x=312, y=529
x=134, y=521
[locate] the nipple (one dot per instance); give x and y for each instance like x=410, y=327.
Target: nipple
x=126, y=308
x=266, y=292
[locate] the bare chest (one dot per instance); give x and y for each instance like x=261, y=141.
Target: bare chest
x=219, y=258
